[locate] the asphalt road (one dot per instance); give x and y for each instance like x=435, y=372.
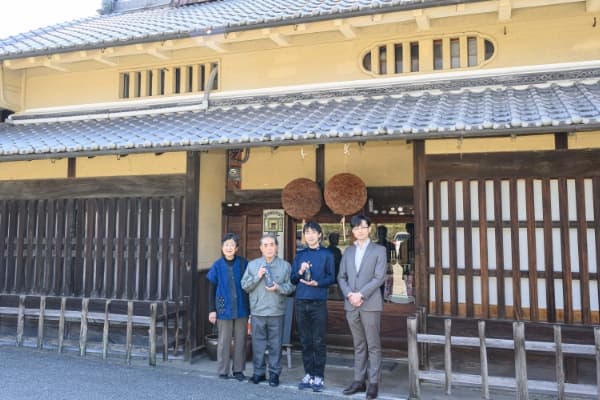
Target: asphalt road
x=27, y=374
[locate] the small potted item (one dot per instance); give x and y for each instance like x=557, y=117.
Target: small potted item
x=211, y=342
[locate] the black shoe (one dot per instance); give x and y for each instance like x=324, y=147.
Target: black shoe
x=273, y=380
x=257, y=379
x=372, y=391
x=239, y=376
x=355, y=387
x=223, y=376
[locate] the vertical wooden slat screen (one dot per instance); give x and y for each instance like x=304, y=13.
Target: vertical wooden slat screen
x=437, y=249
x=19, y=263
x=120, y=248
x=582, y=250
x=498, y=231
x=531, y=254
x=132, y=234
x=142, y=265
x=596, y=227
x=4, y=216
x=548, y=252
x=10, y=247
x=452, y=250
x=514, y=245
x=108, y=280
x=566, y=250
x=533, y=227
x=483, y=251
x=50, y=238
x=469, y=296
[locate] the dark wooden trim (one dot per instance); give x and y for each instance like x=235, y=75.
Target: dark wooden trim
x=582, y=249
x=320, y=165
x=499, y=236
x=538, y=164
x=515, y=250
x=548, y=251
x=468, y=248
x=452, y=257
x=437, y=248
x=596, y=200
x=483, y=251
x=127, y=186
x=561, y=141
x=566, y=250
x=420, y=202
x=531, y=251
x=190, y=263
x=248, y=197
x=71, y=167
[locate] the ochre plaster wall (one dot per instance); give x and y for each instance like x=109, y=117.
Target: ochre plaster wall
x=38, y=169
x=584, y=140
x=376, y=163
x=541, y=35
x=270, y=168
x=133, y=164
x=212, y=195
x=479, y=145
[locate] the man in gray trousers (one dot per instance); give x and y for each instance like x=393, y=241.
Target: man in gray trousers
x=362, y=272
x=267, y=280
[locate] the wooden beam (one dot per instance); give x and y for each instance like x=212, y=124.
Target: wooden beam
x=345, y=29
x=105, y=61
x=278, y=38
x=51, y=65
x=504, y=10
x=422, y=20
x=211, y=44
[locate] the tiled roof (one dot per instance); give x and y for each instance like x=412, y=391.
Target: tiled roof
x=397, y=112
x=190, y=20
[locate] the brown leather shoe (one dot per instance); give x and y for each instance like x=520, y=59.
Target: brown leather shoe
x=355, y=387
x=372, y=391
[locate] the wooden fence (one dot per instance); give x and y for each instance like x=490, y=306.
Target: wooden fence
x=520, y=383
x=163, y=322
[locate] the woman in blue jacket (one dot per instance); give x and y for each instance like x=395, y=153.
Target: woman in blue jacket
x=228, y=307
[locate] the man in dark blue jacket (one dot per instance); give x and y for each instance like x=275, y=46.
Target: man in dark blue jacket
x=313, y=272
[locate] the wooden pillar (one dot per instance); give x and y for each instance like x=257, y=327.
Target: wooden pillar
x=190, y=270
x=320, y=174
x=420, y=200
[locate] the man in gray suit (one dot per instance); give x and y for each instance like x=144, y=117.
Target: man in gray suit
x=362, y=272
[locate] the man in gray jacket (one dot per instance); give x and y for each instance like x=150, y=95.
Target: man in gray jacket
x=362, y=272
x=267, y=280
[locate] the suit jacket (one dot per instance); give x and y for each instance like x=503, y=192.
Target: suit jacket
x=367, y=281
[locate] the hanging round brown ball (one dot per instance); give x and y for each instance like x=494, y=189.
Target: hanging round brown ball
x=345, y=194
x=301, y=198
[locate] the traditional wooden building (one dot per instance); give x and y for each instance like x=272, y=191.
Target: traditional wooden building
x=132, y=139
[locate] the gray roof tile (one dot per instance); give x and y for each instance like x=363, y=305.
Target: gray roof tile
x=398, y=112
x=191, y=20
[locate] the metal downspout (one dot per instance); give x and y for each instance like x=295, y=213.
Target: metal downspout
x=209, y=85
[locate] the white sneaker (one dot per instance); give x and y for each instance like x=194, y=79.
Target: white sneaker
x=318, y=384
x=306, y=382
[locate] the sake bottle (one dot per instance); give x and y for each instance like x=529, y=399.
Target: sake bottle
x=268, y=276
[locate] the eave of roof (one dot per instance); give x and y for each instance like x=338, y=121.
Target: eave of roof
x=567, y=101
x=154, y=25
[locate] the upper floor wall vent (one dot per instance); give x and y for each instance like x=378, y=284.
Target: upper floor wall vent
x=459, y=51
x=164, y=81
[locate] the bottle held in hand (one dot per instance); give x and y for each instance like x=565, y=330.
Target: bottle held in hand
x=308, y=273
x=268, y=277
